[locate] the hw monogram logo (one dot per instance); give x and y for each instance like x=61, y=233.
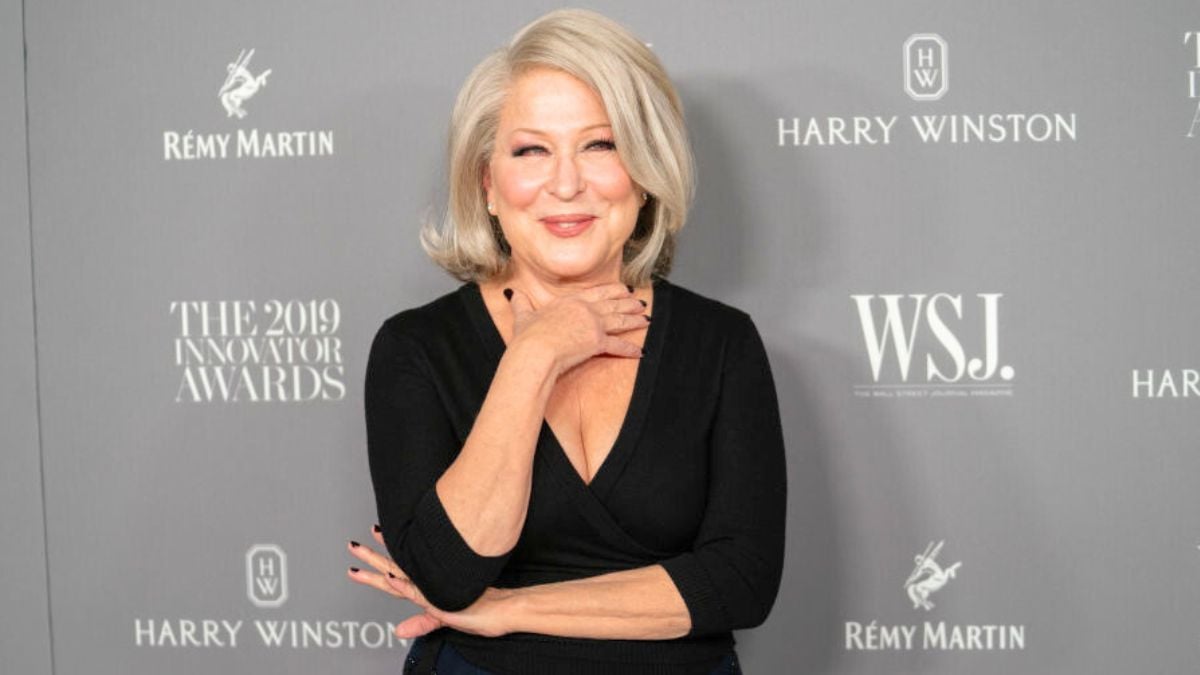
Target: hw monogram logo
x=926, y=67
x=266, y=575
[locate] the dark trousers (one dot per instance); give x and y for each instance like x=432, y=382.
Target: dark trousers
x=441, y=658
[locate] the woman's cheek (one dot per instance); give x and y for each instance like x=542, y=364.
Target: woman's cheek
x=521, y=187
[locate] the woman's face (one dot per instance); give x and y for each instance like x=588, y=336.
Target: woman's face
x=565, y=202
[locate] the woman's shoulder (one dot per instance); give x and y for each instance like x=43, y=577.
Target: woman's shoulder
x=693, y=308
x=445, y=312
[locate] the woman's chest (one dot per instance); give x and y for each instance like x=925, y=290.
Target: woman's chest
x=588, y=408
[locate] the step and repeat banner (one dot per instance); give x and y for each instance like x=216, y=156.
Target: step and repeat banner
x=967, y=232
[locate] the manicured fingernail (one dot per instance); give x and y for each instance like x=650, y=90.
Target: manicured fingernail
x=629, y=287
x=392, y=576
x=354, y=569
x=647, y=317
x=643, y=302
x=375, y=528
x=508, y=294
x=354, y=544
x=643, y=352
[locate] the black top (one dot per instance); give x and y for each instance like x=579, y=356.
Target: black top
x=695, y=482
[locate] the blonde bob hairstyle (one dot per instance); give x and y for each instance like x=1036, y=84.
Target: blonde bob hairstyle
x=647, y=122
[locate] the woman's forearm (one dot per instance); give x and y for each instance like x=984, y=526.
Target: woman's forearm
x=637, y=604
x=485, y=491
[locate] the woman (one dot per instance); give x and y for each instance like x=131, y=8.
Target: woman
x=565, y=485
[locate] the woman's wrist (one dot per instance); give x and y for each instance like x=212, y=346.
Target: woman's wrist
x=510, y=609
x=533, y=357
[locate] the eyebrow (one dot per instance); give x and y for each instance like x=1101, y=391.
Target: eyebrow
x=537, y=132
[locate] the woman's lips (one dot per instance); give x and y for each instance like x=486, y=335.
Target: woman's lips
x=568, y=225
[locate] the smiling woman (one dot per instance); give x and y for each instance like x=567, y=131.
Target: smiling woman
x=555, y=182
x=564, y=485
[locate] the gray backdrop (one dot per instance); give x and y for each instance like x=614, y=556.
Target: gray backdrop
x=977, y=300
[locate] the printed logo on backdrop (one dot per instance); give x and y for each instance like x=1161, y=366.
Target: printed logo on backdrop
x=1192, y=38
x=1166, y=383
x=927, y=578
x=266, y=587
x=926, y=62
x=243, y=351
x=240, y=85
x=926, y=67
x=917, y=346
x=266, y=575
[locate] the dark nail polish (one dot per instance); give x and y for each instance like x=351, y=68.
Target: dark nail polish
x=629, y=287
x=354, y=544
x=508, y=294
x=392, y=576
x=647, y=317
x=643, y=352
x=375, y=528
x=643, y=302
x=354, y=569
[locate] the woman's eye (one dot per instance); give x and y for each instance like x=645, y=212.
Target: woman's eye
x=528, y=150
x=602, y=145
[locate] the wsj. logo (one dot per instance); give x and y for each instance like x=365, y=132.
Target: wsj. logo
x=901, y=328
x=266, y=575
x=928, y=577
x=926, y=67
x=1194, y=80
x=240, y=85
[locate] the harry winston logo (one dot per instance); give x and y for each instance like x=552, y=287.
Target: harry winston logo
x=266, y=575
x=926, y=67
x=928, y=577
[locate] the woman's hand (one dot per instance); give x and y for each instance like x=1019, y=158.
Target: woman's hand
x=484, y=617
x=579, y=326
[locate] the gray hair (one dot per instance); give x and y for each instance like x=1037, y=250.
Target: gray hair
x=647, y=122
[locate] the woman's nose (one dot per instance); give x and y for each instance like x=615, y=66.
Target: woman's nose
x=567, y=180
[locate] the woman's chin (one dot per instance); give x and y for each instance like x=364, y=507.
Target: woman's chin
x=571, y=267
x=575, y=269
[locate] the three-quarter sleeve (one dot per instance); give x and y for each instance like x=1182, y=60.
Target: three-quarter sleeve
x=731, y=576
x=410, y=443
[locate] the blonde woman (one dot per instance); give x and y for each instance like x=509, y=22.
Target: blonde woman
x=578, y=465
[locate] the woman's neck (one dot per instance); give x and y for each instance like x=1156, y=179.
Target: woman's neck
x=543, y=289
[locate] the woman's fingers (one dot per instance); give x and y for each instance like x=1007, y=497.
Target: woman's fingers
x=620, y=306
x=620, y=323
x=605, y=292
x=416, y=626
x=520, y=303
x=380, y=562
x=618, y=347
x=374, y=580
x=408, y=589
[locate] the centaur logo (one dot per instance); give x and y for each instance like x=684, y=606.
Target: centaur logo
x=928, y=577
x=1194, y=80
x=926, y=67
x=948, y=371
x=266, y=575
x=186, y=143
x=240, y=85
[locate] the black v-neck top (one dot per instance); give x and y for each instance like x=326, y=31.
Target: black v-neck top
x=695, y=482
